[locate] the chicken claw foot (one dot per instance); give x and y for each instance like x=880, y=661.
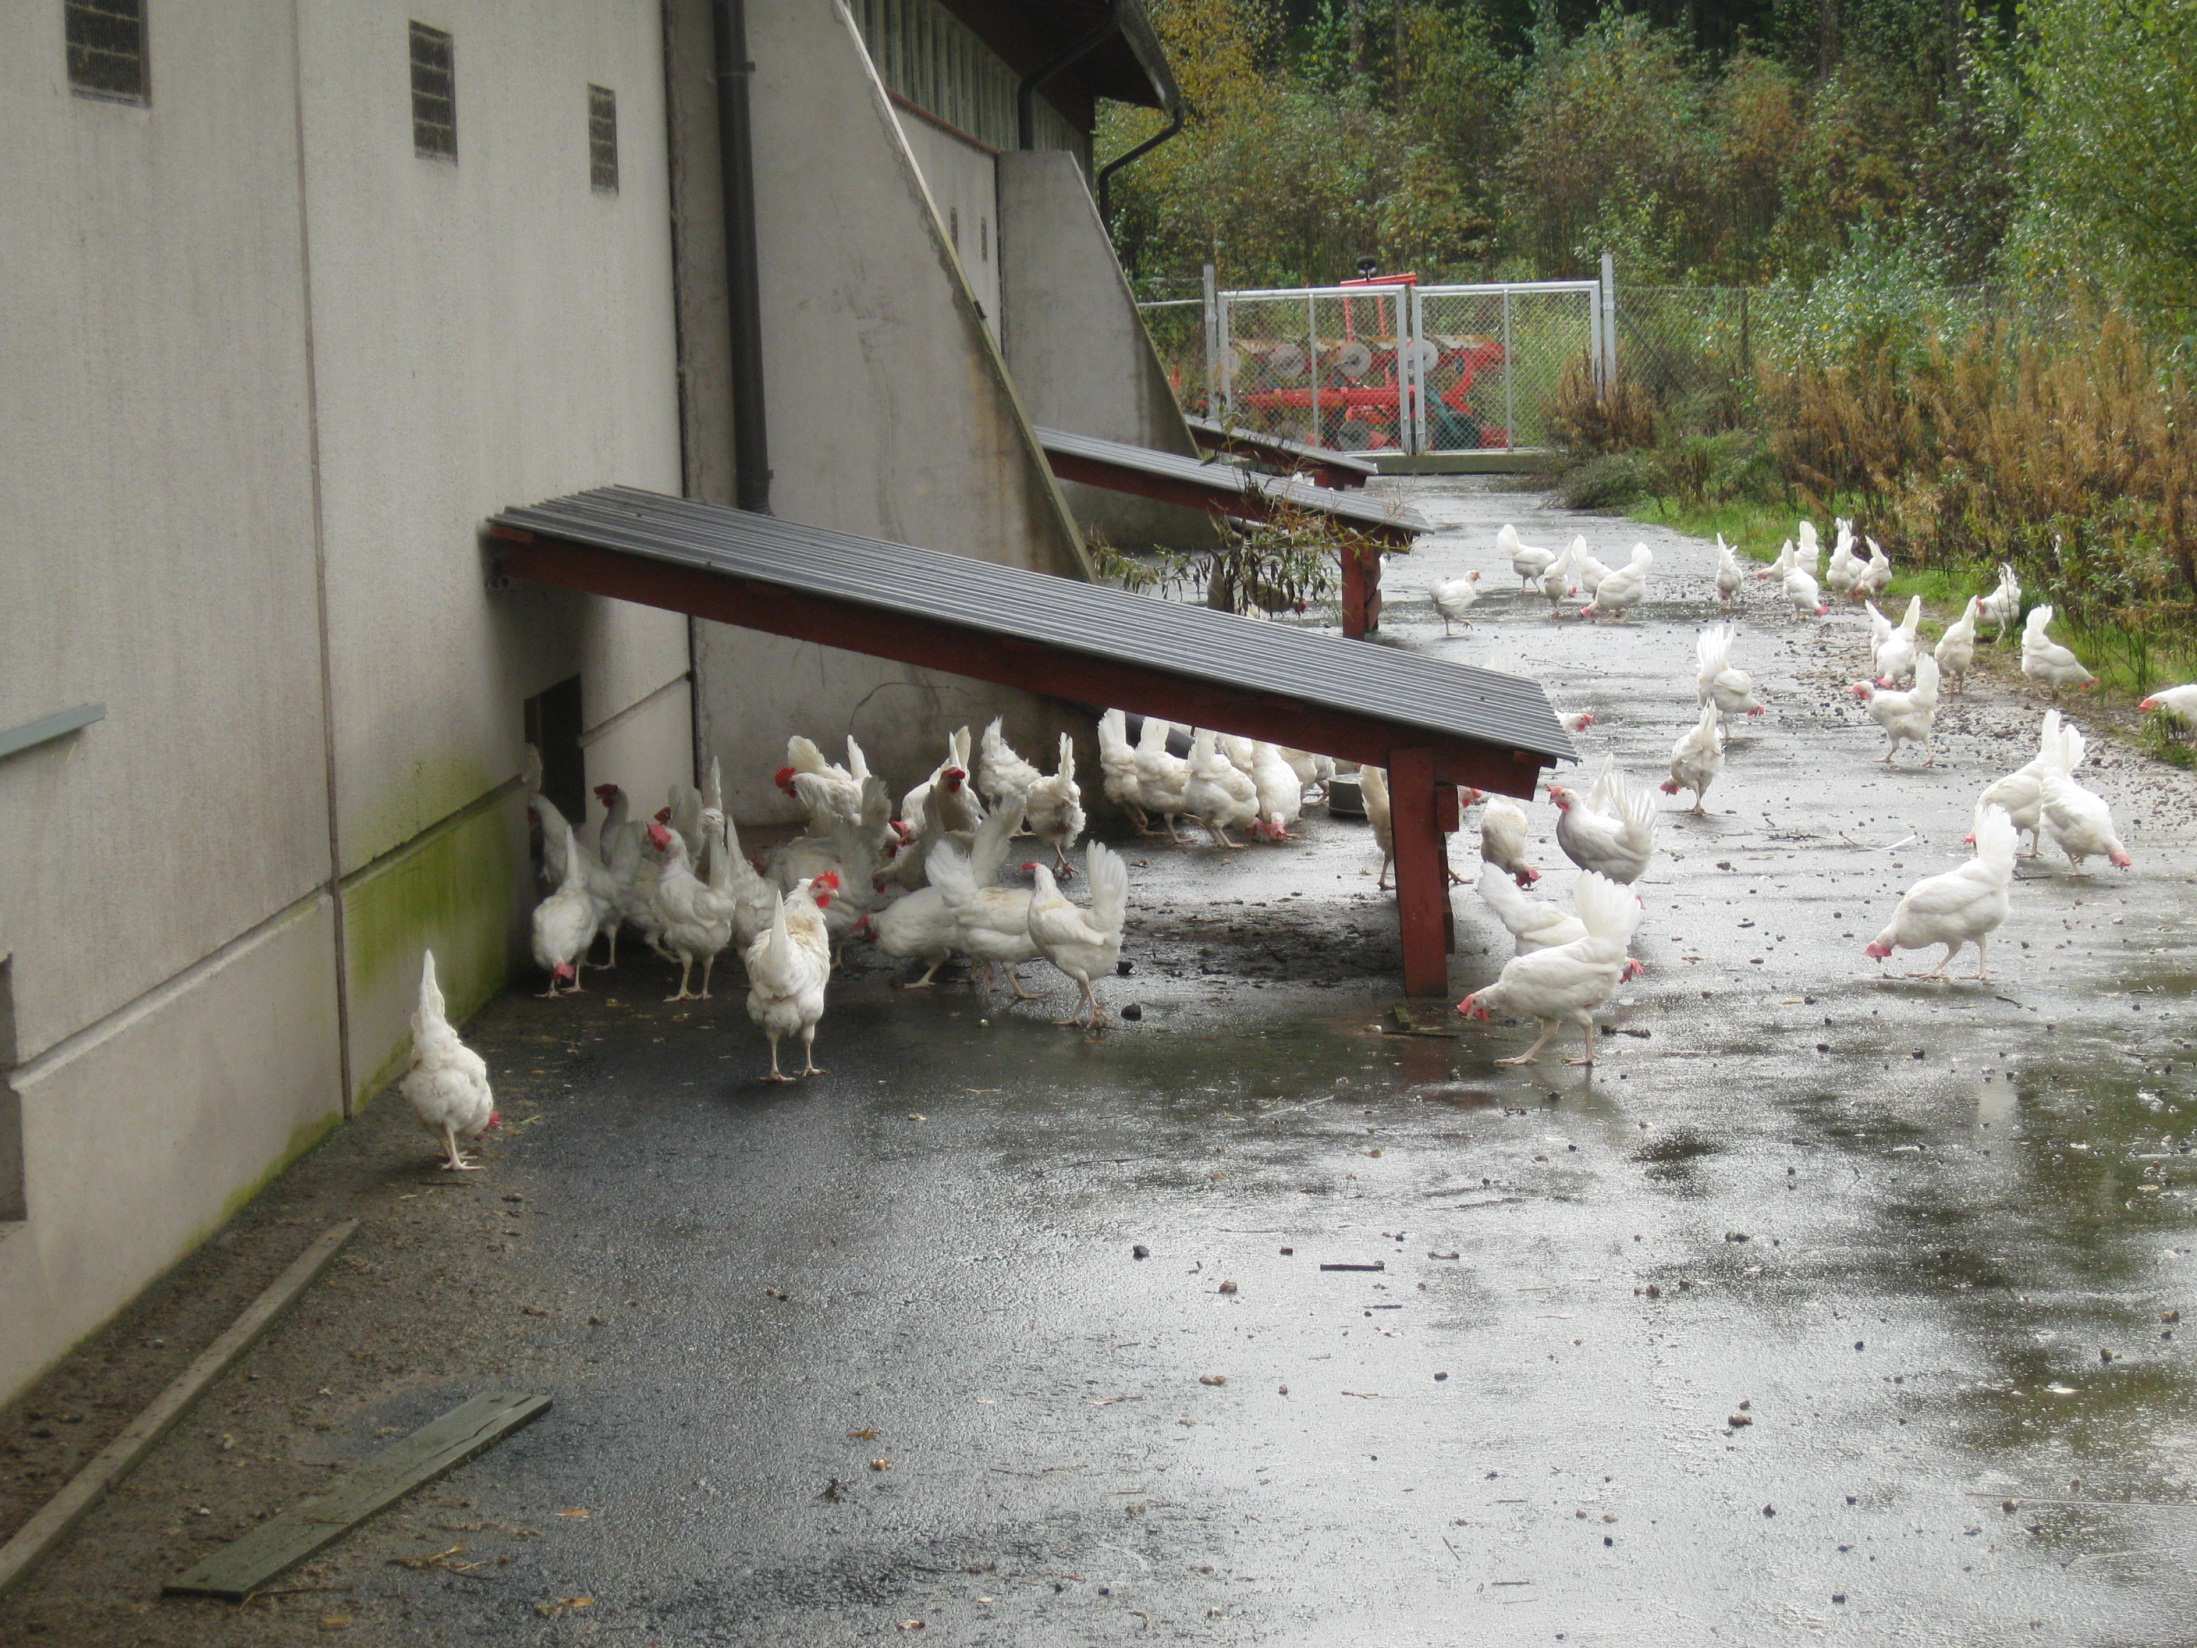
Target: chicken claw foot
x=1521, y=1058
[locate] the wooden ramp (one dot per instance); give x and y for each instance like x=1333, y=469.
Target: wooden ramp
x=1279, y=455
x=1434, y=725
x=1228, y=489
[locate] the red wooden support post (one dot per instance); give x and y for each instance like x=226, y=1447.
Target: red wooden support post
x=1361, y=592
x=1422, y=887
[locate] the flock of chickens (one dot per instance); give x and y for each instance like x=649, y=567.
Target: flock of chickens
x=921, y=881
x=1569, y=963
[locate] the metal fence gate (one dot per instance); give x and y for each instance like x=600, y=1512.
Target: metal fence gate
x=1492, y=359
x=1391, y=366
x=1326, y=365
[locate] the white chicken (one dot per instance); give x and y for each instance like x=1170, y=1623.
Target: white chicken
x=1961, y=907
x=1716, y=681
x=2003, y=605
x=1281, y=796
x=1697, y=758
x=1504, y=838
x=991, y=924
x=1118, y=768
x=1569, y=982
x=2060, y=747
x=1527, y=560
x=2179, y=703
x=1453, y=598
x=1897, y=645
x=788, y=969
x=1314, y=772
x=1556, y=577
x=1373, y=790
x=1845, y=567
x=1956, y=648
x=754, y=900
x=2047, y=662
x=1611, y=831
x=1083, y=943
x=1217, y=795
x=946, y=791
x=1587, y=567
x=697, y=921
x=1163, y=779
x=2079, y=822
x=1810, y=552
x=1731, y=578
x=1003, y=778
x=1053, y=807
x=1906, y=717
x=1533, y=924
x=632, y=872
x=446, y=1081
x=564, y=923
x=560, y=847
x=837, y=792
x=1874, y=578
x=1623, y=589
x=921, y=926
x=1801, y=593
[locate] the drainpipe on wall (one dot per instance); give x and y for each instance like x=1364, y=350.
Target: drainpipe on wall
x=1107, y=171
x=743, y=284
x=1026, y=93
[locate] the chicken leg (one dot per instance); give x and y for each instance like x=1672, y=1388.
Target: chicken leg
x=1014, y=983
x=686, y=966
x=708, y=962
x=808, y=1053
x=1944, y=961
x=1588, y=1025
x=776, y=1075
x=1982, y=972
x=923, y=983
x=455, y=1161
x=1530, y=1054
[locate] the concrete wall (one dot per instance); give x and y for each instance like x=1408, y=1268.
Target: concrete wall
x=206, y=310
x=1081, y=358
x=534, y=316
x=891, y=413
x=962, y=181
x=172, y=976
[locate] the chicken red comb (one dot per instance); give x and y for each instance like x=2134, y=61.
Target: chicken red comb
x=783, y=778
x=828, y=880
x=658, y=836
x=605, y=791
x=663, y=815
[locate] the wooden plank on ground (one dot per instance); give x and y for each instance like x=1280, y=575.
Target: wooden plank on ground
x=114, y=1461
x=238, y=1569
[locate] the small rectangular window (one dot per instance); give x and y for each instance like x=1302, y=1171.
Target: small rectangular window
x=106, y=42
x=602, y=139
x=434, y=93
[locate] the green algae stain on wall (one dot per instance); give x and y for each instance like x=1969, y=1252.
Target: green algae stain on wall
x=454, y=893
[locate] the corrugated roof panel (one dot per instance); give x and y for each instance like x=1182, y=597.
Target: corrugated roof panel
x=1325, y=455
x=1222, y=479
x=1093, y=620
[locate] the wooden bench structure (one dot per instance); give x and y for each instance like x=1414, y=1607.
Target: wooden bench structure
x=1279, y=455
x=1433, y=725
x=1228, y=489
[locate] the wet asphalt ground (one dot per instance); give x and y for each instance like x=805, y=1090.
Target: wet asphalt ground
x=1830, y=1305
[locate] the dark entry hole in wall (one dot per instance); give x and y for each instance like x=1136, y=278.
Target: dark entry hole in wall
x=553, y=728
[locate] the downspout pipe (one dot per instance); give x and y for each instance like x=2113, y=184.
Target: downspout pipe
x=1107, y=171
x=1026, y=92
x=743, y=282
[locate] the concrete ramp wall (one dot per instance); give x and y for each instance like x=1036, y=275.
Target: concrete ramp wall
x=891, y=414
x=1080, y=356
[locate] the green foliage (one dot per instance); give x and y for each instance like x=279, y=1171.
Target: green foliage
x=1609, y=481
x=2109, y=146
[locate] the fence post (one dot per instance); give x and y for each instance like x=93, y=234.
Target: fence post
x=1312, y=363
x=1609, y=322
x=1213, y=406
x=1510, y=383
